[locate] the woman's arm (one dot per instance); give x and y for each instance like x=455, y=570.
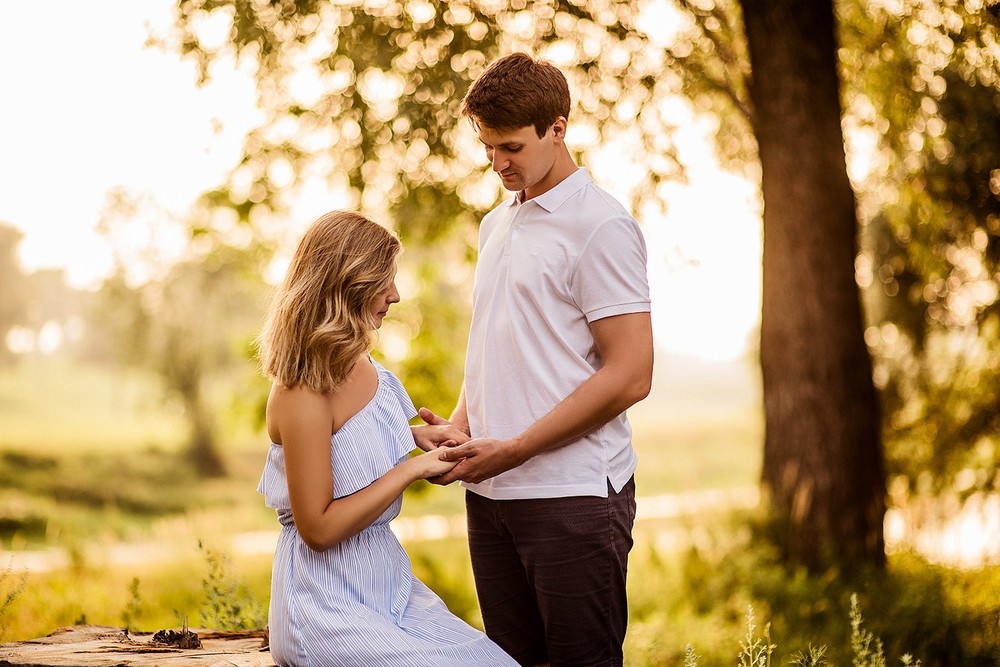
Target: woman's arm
x=303, y=419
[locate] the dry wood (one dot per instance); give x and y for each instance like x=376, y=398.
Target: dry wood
x=104, y=646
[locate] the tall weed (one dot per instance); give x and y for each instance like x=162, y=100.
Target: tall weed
x=229, y=603
x=8, y=594
x=133, y=608
x=757, y=650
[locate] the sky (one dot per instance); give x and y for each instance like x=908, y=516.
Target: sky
x=88, y=107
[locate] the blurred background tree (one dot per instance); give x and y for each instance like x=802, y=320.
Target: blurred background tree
x=189, y=321
x=920, y=103
x=823, y=469
x=38, y=309
x=13, y=304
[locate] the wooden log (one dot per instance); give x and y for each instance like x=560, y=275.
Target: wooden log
x=106, y=646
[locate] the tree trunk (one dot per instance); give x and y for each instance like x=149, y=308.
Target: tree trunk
x=203, y=447
x=183, y=375
x=823, y=466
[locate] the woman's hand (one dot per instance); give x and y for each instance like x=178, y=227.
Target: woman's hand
x=429, y=437
x=430, y=464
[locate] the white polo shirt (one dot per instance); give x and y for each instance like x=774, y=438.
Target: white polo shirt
x=546, y=269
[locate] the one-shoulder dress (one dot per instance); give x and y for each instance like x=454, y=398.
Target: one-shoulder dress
x=358, y=603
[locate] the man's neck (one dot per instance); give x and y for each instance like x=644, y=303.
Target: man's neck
x=562, y=168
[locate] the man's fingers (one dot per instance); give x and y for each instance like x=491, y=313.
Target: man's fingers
x=456, y=453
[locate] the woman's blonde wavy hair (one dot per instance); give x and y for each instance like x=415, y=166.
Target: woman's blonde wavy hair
x=319, y=322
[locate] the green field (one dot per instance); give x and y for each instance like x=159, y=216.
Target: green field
x=92, y=456
x=50, y=406
x=95, y=454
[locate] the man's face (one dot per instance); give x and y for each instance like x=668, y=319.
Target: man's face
x=521, y=158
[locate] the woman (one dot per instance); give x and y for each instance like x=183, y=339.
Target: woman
x=342, y=589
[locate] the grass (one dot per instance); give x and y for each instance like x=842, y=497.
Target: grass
x=74, y=499
x=692, y=597
x=145, y=597
x=95, y=454
x=54, y=406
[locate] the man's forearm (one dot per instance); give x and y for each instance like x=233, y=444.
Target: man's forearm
x=460, y=415
x=626, y=345
x=604, y=396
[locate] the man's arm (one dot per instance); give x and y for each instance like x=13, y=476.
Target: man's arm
x=460, y=415
x=625, y=343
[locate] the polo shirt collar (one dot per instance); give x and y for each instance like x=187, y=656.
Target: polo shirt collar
x=566, y=188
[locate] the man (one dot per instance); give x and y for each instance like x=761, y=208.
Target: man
x=559, y=347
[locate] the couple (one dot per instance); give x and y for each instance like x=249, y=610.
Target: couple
x=560, y=346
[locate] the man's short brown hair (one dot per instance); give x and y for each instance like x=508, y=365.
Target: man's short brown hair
x=516, y=91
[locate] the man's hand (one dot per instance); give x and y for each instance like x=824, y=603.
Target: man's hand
x=481, y=459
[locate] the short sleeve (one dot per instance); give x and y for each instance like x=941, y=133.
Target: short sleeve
x=610, y=276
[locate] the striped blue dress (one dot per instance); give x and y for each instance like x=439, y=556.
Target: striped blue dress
x=358, y=603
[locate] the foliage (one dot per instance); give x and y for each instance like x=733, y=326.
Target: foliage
x=363, y=97
x=141, y=479
x=866, y=647
x=926, y=94
x=66, y=500
x=921, y=82
x=679, y=604
x=814, y=658
x=690, y=657
x=378, y=85
x=756, y=651
x=228, y=604
x=937, y=615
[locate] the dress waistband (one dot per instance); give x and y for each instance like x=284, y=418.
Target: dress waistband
x=285, y=518
x=287, y=521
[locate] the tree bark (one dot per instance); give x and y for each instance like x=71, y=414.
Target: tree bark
x=823, y=470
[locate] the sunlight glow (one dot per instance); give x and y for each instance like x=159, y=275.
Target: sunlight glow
x=112, y=113
x=102, y=111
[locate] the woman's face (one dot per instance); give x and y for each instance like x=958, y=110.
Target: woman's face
x=380, y=304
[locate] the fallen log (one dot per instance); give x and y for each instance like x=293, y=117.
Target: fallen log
x=106, y=646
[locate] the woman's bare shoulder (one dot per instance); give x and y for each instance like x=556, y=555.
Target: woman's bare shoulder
x=297, y=397
x=289, y=407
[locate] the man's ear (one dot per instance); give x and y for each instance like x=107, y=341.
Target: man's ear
x=559, y=129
